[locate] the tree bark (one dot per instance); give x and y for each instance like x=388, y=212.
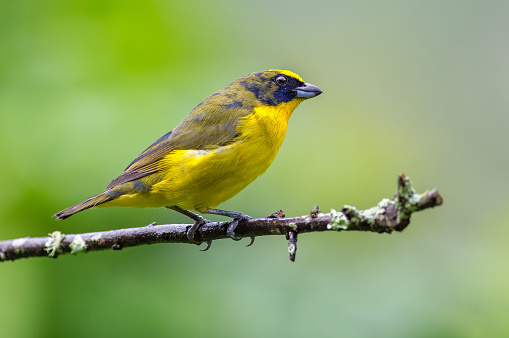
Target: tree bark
x=388, y=216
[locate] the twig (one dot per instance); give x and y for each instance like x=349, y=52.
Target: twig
x=389, y=215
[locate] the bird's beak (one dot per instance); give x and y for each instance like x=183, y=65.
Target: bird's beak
x=307, y=90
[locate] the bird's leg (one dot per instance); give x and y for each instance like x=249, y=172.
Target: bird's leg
x=198, y=221
x=237, y=216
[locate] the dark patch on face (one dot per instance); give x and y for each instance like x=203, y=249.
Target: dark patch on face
x=287, y=92
x=252, y=87
x=268, y=91
x=269, y=101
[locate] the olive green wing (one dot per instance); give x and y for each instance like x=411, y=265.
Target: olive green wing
x=203, y=128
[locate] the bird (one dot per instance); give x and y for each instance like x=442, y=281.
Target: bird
x=220, y=147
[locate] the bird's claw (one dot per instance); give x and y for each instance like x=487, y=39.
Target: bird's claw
x=233, y=225
x=209, y=243
x=252, y=241
x=192, y=230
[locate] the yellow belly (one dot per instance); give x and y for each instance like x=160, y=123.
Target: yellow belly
x=202, y=179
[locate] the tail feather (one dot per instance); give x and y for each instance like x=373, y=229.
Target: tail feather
x=87, y=204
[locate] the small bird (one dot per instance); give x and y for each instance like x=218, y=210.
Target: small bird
x=221, y=146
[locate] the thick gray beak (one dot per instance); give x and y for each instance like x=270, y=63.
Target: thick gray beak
x=308, y=90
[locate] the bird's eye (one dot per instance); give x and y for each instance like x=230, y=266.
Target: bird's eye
x=281, y=80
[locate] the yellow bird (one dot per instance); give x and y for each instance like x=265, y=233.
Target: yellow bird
x=220, y=147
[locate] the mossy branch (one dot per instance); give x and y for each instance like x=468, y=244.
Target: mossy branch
x=388, y=216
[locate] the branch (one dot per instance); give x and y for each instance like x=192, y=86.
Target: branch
x=388, y=216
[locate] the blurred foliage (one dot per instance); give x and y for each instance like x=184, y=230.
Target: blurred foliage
x=409, y=86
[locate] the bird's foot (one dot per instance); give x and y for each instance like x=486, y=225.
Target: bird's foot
x=190, y=233
x=237, y=217
x=198, y=222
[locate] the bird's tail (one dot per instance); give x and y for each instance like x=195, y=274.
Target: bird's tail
x=87, y=204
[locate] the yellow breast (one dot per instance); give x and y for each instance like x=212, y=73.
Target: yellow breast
x=202, y=179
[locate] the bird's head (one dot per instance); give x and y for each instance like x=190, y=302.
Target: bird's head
x=273, y=87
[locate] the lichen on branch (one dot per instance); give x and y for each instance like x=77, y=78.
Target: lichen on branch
x=387, y=216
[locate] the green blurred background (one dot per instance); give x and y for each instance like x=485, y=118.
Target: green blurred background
x=419, y=87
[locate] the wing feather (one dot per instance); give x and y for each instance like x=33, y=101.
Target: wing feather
x=211, y=124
